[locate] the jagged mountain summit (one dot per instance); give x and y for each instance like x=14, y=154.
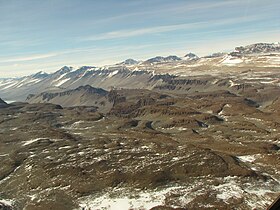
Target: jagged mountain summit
x=190, y=56
x=63, y=70
x=129, y=61
x=40, y=74
x=160, y=59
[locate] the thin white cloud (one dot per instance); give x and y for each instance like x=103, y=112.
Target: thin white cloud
x=28, y=58
x=168, y=28
x=169, y=9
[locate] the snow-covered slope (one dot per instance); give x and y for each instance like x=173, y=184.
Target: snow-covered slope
x=67, y=78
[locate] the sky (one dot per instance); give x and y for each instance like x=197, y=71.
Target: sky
x=44, y=35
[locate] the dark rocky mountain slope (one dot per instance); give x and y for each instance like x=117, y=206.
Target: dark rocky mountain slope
x=3, y=104
x=81, y=96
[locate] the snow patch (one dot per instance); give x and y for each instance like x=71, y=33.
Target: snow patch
x=127, y=201
x=113, y=73
x=228, y=190
x=9, y=86
x=233, y=83
x=61, y=82
x=32, y=141
x=248, y=158
x=7, y=202
x=231, y=61
x=64, y=147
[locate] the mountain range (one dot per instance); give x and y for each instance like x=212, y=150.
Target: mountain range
x=149, y=74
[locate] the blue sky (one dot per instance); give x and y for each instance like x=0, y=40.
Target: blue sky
x=44, y=35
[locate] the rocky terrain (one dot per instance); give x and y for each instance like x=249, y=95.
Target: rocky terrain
x=144, y=135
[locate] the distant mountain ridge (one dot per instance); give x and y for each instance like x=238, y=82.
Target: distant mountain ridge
x=242, y=50
x=160, y=59
x=148, y=74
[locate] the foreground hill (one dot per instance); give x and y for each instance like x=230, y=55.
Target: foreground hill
x=212, y=150
x=81, y=96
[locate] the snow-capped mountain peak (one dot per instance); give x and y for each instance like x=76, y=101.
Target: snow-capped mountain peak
x=40, y=74
x=129, y=61
x=160, y=59
x=63, y=70
x=190, y=56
